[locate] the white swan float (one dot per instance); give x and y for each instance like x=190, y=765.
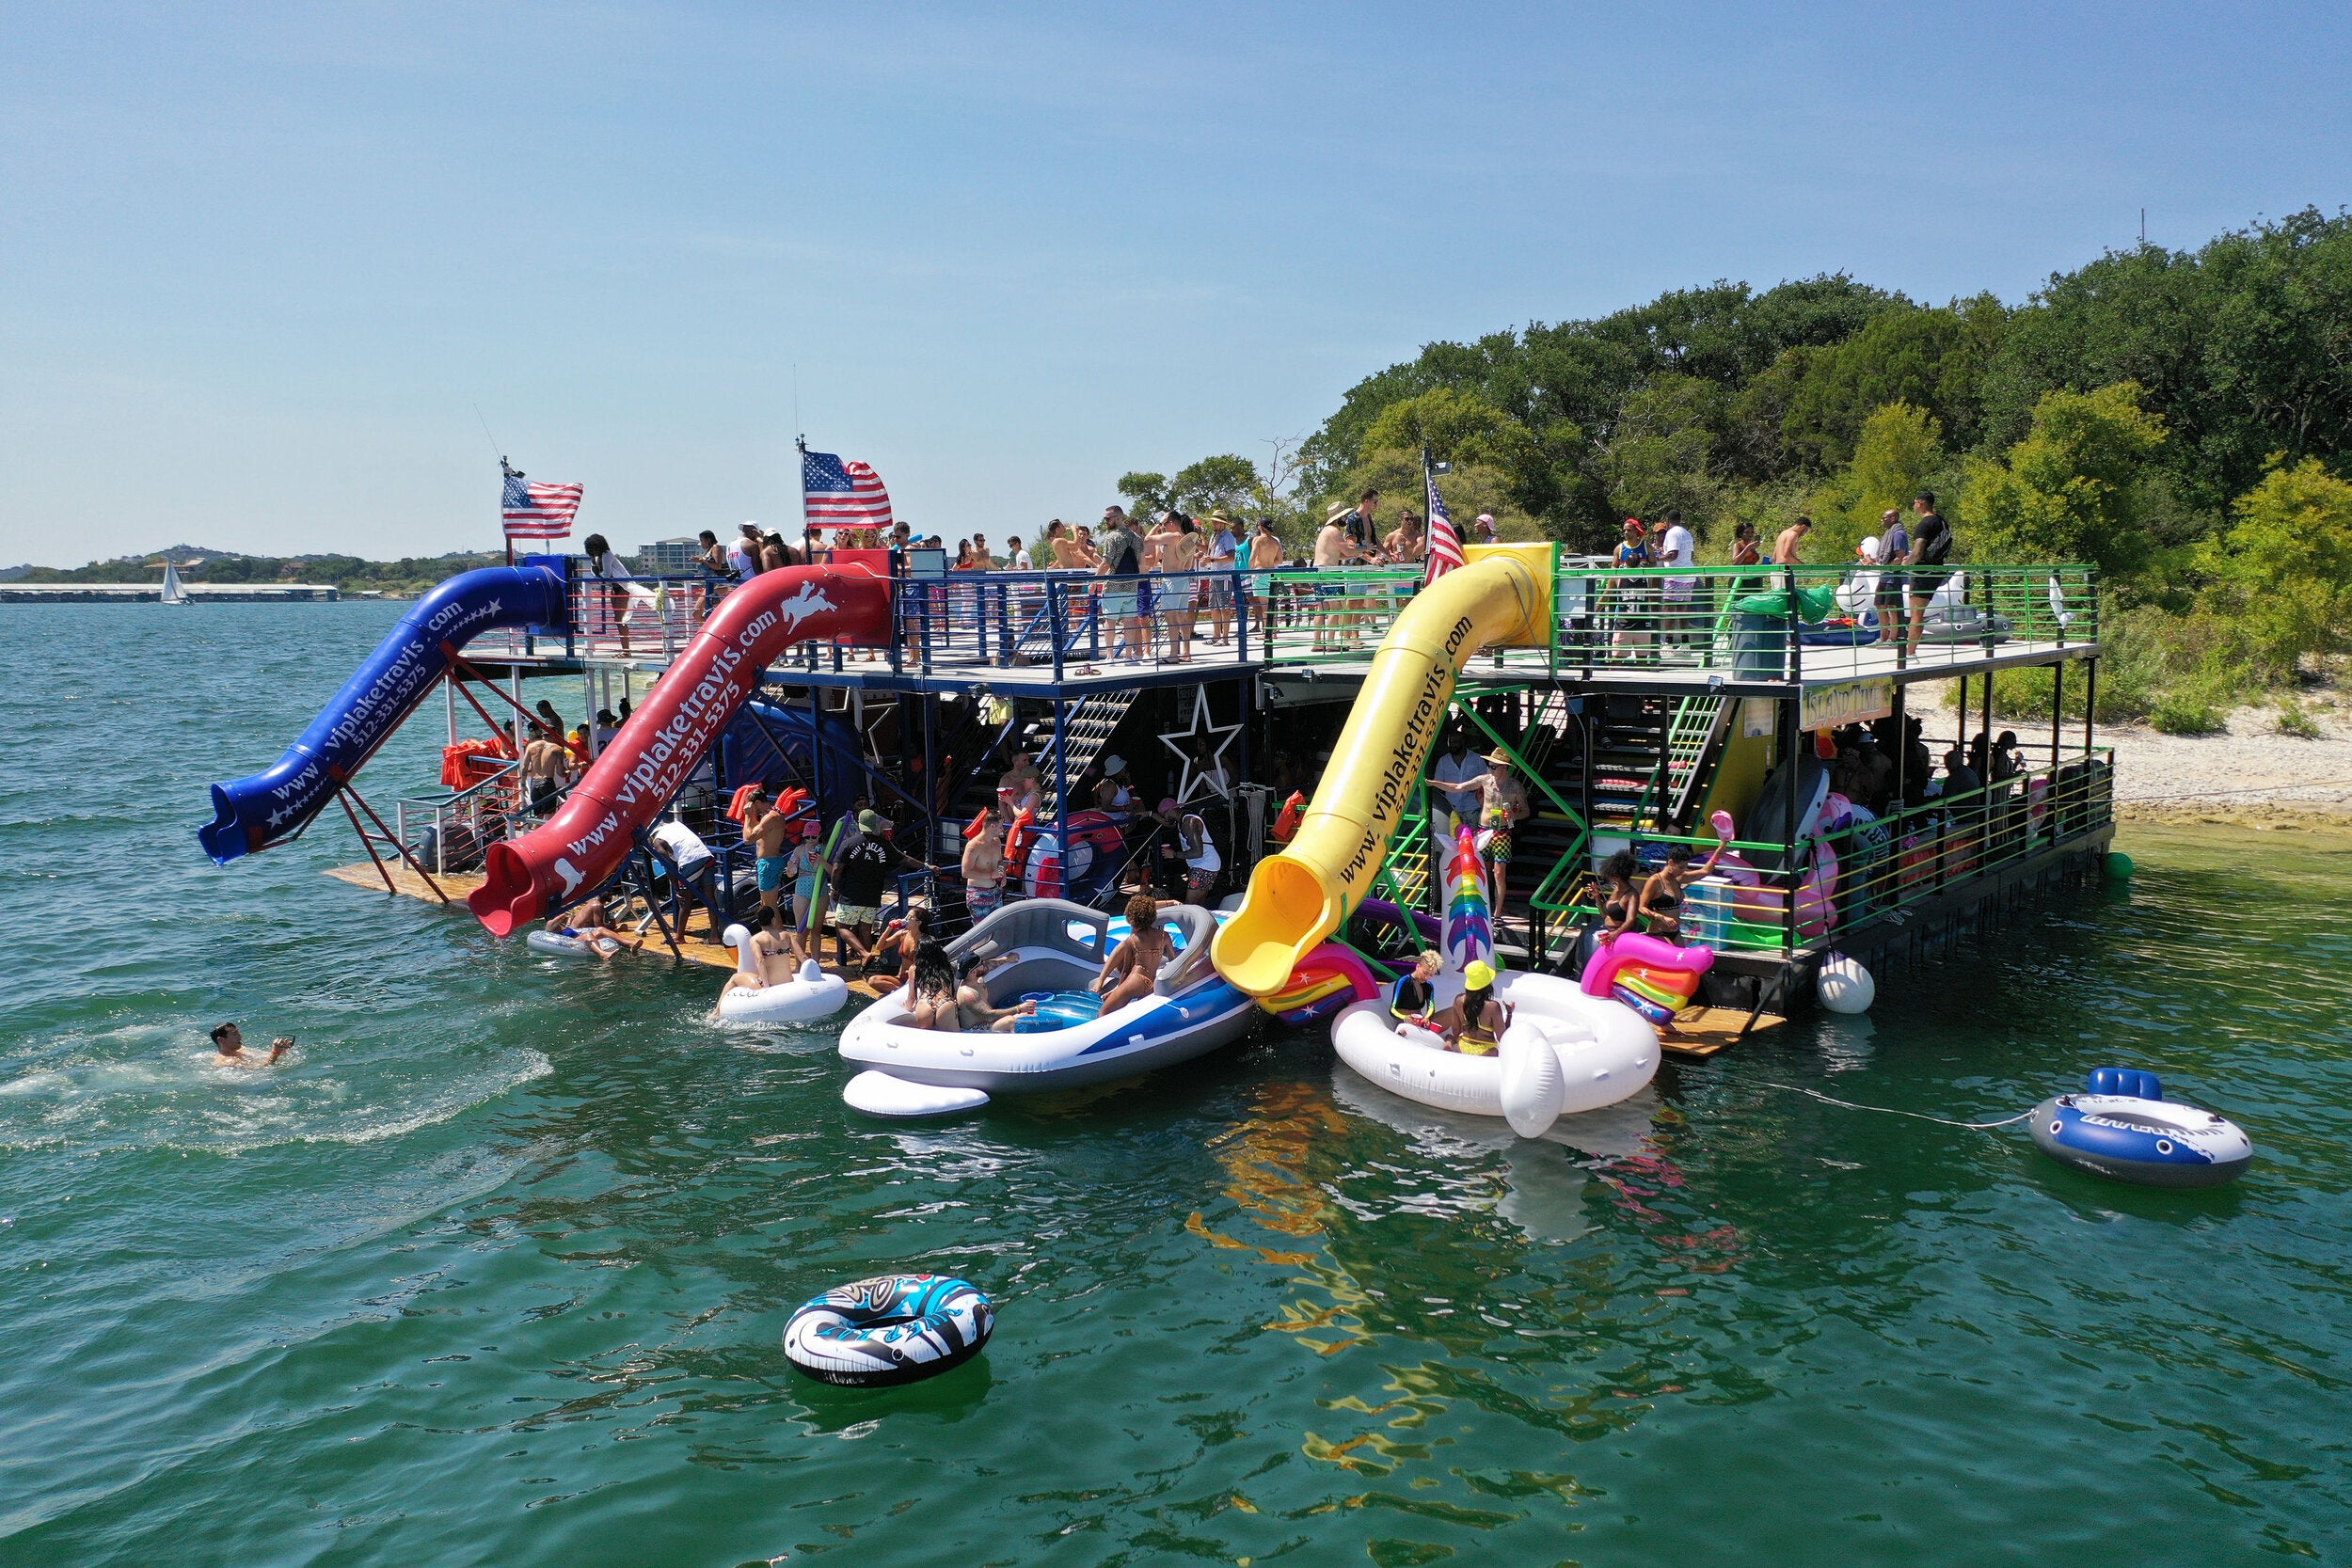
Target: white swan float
x=1058, y=948
x=811, y=995
x=1564, y=1053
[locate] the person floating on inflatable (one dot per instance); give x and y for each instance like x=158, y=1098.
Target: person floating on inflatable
x=1475, y=1022
x=1414, y=997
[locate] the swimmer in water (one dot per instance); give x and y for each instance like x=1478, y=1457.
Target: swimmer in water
x=231, y=1045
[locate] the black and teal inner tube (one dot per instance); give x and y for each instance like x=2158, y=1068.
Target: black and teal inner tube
x=890, y=1329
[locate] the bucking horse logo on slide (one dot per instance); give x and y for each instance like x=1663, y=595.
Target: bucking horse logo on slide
x=810, y=600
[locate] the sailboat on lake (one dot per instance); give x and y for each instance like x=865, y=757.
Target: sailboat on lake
x=173, y=593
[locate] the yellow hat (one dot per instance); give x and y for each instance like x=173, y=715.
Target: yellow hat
x=1479, y=975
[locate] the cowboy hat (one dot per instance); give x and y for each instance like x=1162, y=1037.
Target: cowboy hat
x=1336, y=511
x=1502, y=757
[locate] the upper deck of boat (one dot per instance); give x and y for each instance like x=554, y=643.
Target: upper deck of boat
x=1311, y=633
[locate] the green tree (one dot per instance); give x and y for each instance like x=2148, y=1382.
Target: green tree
x=2243, y=349
x=1441, y=419
x=2068, y=491
x=1661, y=454
x=2283, y=574
x=1214, y=484
x=1146, y=493
x=1899, y=454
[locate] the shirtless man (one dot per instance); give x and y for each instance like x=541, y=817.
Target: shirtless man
x=1265, y=554
x=1180, y=552
x=231, y=1045
x=984, y=869
x=1135, y=963
x=1333, y=548
x=594, y=926
x=1787, y=548
x=766, y=827
x=1022, y=783
x=547, y=763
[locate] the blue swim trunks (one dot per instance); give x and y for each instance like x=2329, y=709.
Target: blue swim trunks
x=770, y=873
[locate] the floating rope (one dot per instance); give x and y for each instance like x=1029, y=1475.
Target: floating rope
x=1890, y=1111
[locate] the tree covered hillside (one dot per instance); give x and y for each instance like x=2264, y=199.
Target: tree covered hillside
x=2181, y=418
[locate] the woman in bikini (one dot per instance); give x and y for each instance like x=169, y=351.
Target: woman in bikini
x=1620, y=894
x=934, y=985
x=1135, y=963
x=896, y=952
x=1662, y=896
x=1476, y=1020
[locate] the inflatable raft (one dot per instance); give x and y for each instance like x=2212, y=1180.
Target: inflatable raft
x=1058, y=948
x=2123, y=1127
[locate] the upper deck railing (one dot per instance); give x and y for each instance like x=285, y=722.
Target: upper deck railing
x=1726, y=622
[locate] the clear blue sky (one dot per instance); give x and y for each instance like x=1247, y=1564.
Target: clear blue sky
x=257, y=266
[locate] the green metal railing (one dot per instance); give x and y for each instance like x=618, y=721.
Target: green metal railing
x=1893, y=863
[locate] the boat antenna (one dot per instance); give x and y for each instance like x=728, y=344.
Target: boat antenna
x=487, y=437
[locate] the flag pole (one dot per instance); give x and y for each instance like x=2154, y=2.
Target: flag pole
x=799, y=472
x=506, y=473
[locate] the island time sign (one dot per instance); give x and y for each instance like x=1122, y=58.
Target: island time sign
x=1829, y=708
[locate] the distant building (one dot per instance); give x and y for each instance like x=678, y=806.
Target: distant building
x=668, y=556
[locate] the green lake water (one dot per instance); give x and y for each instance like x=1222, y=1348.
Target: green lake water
x=494, y=1270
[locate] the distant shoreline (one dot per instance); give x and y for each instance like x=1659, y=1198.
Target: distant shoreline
x=2250, y=776
x=226, y=593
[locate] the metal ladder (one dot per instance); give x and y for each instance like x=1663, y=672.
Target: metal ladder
x=1086, y=730
x=1697, y=722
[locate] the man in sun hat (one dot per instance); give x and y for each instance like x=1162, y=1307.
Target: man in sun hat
x=1483, y=529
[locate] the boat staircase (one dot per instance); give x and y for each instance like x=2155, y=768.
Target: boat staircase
x=1086, y=729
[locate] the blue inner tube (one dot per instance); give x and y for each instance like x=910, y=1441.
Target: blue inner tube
x=891, y=1328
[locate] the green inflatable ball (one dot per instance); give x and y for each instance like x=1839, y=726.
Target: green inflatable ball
x=2118, y=866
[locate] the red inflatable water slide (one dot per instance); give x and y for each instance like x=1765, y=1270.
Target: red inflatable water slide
x=629, y=785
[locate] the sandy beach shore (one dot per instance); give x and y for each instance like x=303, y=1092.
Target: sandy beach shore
x=2252, y=776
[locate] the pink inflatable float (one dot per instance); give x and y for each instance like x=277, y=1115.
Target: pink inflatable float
x=1655, y=979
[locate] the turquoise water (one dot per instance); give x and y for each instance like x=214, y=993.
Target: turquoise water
x=495, y=1269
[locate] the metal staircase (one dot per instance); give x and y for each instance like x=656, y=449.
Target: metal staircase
x=1086, y=732
x=1696, y=730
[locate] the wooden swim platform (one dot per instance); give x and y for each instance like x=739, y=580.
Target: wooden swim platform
x=1702, y=1032
x=698, y=945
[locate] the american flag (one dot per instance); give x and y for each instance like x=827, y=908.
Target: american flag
x=538, y=511
x=1445, y=545
x=835, y=493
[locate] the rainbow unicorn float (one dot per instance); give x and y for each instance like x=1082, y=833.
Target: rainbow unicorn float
x=1470, y=930
x=1564, y=1051
x=1657, y=979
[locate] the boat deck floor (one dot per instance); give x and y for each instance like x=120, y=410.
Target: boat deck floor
x=699, y=944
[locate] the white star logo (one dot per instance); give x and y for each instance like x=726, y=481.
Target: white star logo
x=1188, y=745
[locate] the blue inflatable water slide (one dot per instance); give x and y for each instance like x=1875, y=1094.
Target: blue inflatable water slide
x=272, y=806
